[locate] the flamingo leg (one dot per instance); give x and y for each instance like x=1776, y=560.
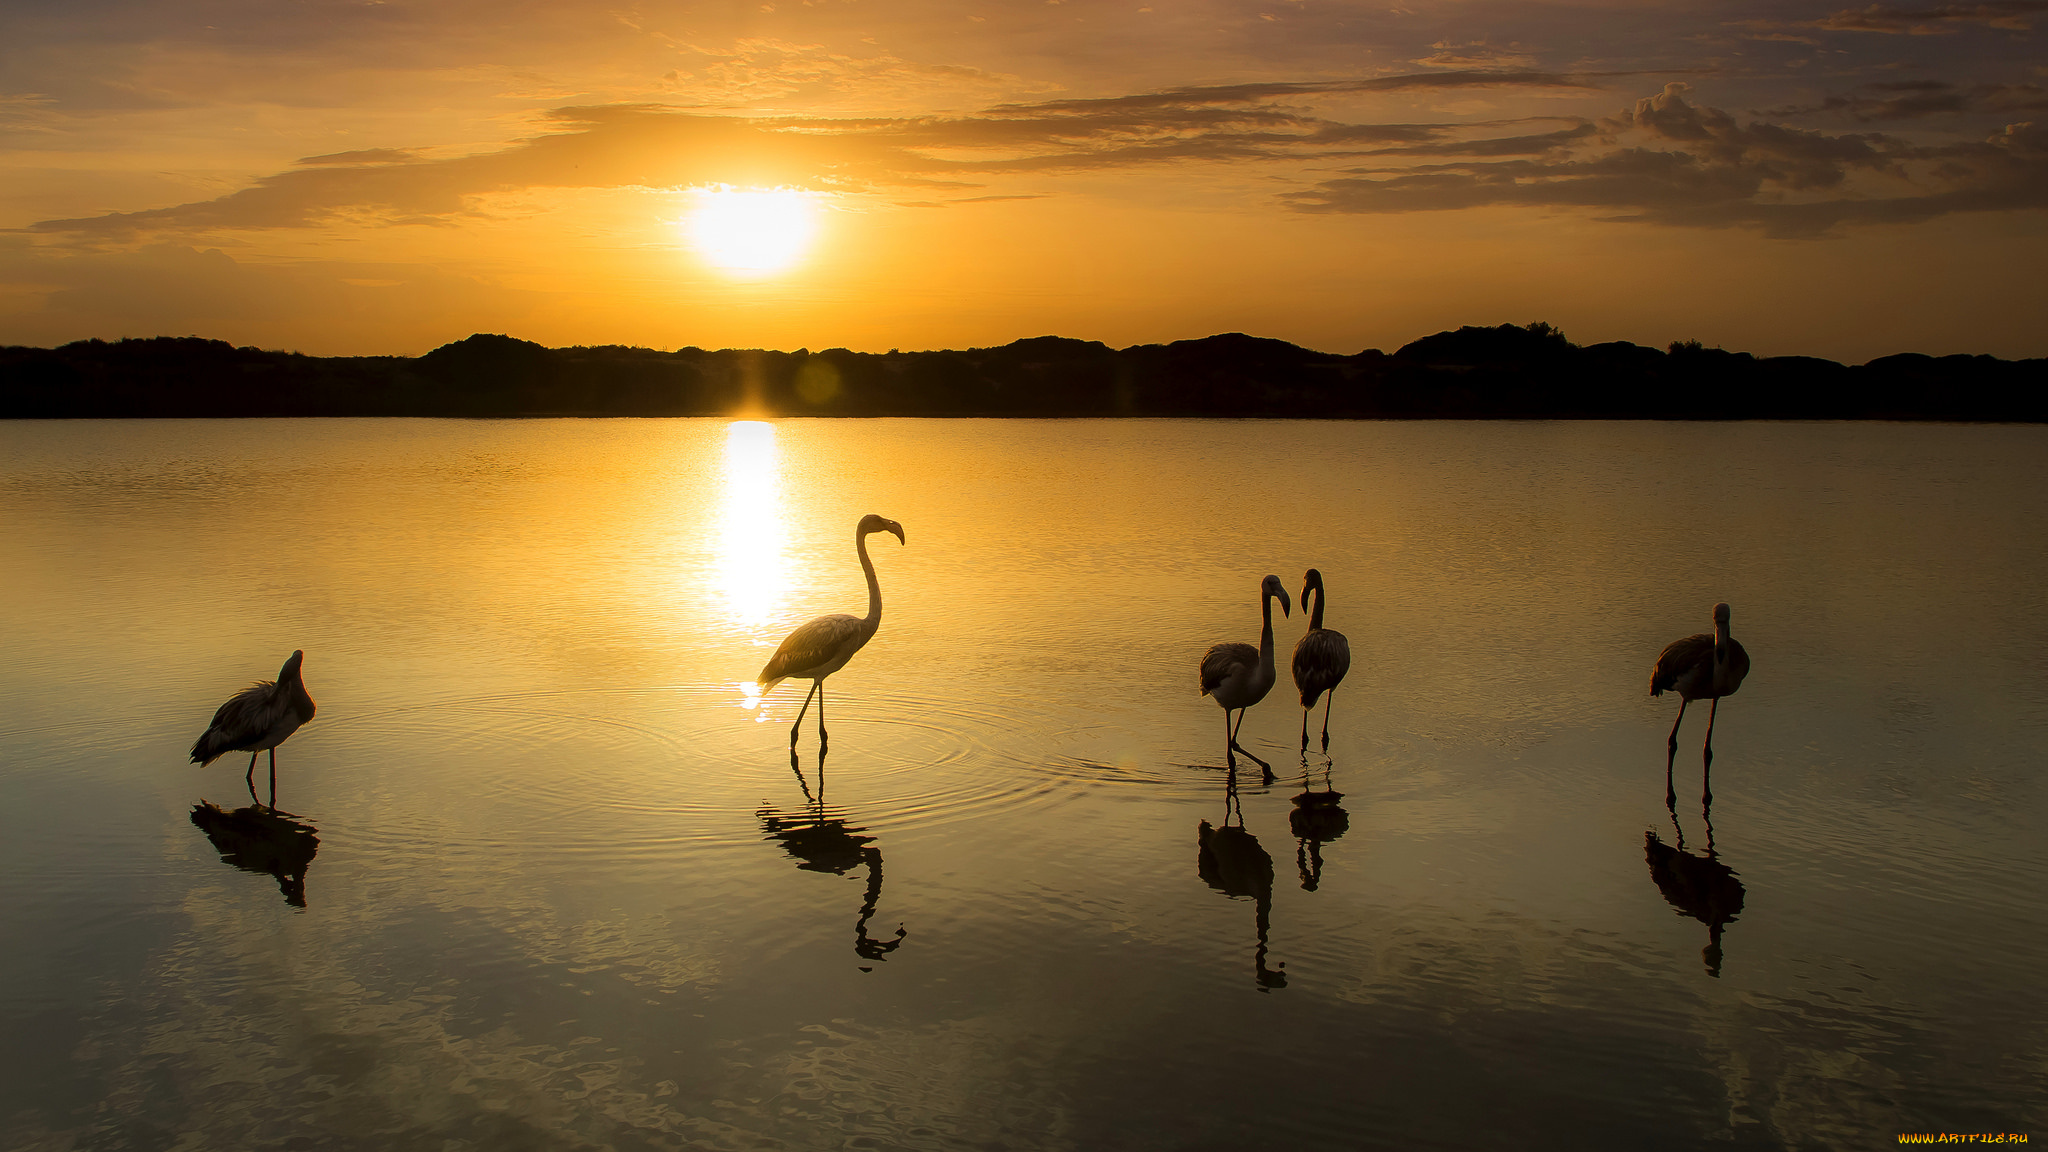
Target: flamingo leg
x=796, y=727
x=273, y=778
x=1328, y=702
x=250, y=777
x=1304, y=729
x=1707, y=756
x=1671, y=755
x=1672, y=740
x=821, y=717
x=1235, y=746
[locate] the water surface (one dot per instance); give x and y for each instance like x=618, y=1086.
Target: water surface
x=564, y=889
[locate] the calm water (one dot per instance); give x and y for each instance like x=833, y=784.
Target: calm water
x=567, y=891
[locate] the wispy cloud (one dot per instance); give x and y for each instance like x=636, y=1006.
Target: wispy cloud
x=654, y=146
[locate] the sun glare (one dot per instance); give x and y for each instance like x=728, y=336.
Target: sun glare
x=750, y=553
x=751, y=231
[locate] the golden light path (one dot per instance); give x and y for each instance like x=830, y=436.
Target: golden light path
x=750, y=232
x=753, y=570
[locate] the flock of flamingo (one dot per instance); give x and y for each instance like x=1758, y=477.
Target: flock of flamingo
x=1235, y=675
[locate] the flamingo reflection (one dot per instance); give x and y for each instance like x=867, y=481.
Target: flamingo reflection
x=1699, y=886
x=1228, y=858
x=821, y=840
x=1316, y=820
x=258, y=839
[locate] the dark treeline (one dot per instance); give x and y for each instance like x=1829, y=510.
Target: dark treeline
x=1508, y=371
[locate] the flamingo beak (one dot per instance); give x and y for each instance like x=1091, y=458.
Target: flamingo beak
x=1286, y=607
x=897, y=530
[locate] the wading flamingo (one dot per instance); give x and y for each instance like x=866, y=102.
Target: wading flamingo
x=256, y=719
x=1238, y=676
x=823, y=646
x=1699, y=667
x=1321, y=658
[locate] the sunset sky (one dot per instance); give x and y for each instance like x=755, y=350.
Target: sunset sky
x=384, y=176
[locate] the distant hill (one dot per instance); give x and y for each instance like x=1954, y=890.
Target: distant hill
x=1507, y=371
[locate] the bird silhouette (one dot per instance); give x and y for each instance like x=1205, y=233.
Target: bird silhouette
x=256, y=719
x=1702, y=667
x=821, y=647
x=1238, y=676
x=1321, y=658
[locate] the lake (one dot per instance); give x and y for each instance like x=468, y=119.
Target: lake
x=545, y=877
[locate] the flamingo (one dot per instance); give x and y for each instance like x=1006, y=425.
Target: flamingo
x=823, y=646
x=1321, y=658
x=1699, y=667
x=1238, y=676
x=256, y=719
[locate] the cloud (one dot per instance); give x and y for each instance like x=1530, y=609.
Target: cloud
x=362, y=157
x=1476, y=54
x=1937, y=20
x=762, y=70
x=1670, y=162
x=1915, y=99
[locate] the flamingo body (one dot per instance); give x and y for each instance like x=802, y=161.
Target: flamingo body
x=1707, y=666
x=1235, y=676
x=817, y=649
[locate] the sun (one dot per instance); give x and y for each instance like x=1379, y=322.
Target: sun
x=752, y=232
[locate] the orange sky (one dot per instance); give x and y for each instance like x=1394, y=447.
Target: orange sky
x=384, y=177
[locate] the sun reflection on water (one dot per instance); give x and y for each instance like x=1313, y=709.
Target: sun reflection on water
x=753, y=571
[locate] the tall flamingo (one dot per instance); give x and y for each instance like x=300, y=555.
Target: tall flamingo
x=823, y=646
x=1699, y=667
x=1238, y=676
x=258, y=719
x=1321, y=658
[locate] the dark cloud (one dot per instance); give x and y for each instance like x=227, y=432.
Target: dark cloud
x=1933, y=20
x=362, y=157
x=1670, y=162
x=1500, y=145
x=1915, y=99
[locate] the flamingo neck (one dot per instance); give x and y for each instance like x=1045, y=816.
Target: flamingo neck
x=874, y=616
x=1266, y=633
x=1315, y=617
